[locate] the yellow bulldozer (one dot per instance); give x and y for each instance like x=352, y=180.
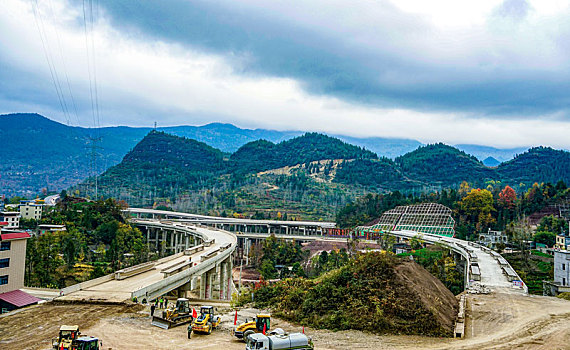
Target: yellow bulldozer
x=205, y=322
x=262, y=322
x=180, y=315
x=69, y=339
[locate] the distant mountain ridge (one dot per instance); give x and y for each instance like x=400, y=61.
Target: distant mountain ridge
x=41, y=153
x=167, y=167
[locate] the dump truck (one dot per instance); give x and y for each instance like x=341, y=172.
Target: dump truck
x=297, y=341
x=181, y=314
x=69, y=339
x=206, y=321
x=258, y=324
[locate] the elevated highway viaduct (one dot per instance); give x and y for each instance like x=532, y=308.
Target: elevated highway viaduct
x=202, y=256
x=200, y=249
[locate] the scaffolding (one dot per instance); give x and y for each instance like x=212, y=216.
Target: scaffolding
x=430, y=218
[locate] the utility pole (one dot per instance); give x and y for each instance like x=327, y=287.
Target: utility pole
x=94, y=168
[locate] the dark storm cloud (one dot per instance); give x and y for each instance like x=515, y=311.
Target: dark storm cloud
x=393, y=70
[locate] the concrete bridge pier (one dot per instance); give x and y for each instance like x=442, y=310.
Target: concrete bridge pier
x=225, y=279
x=204, y=285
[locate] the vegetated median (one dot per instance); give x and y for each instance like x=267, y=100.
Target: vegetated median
x=375, y=292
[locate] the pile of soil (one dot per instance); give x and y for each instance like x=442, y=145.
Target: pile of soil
x=385, y=294
x=434, y=296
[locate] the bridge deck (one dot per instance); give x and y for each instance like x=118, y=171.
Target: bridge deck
x=120, y=290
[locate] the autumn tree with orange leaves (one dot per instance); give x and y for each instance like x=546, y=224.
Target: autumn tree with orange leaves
x=507, y=197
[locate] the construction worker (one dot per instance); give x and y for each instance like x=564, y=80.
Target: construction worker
x=152, y=307
x=161, y=302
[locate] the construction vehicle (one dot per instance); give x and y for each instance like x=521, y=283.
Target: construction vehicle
x=297, y=341
x=261, y=322
x=206, y=321
x=69, y=339
x=181, y=314
x=67, y=334
x=87, y=343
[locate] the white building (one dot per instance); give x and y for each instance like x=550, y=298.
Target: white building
x=561, y=281
x=31, y=210
x=11, y=218
x=492, y=238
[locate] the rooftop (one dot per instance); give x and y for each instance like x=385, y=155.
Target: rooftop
x=18, y=298
x=7, y=236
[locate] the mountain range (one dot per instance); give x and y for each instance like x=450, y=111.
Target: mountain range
x=309, y=172
x=39, y=153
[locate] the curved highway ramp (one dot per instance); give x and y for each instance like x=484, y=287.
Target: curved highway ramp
x=210, y=262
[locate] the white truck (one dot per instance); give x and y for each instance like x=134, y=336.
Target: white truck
x=297, y=341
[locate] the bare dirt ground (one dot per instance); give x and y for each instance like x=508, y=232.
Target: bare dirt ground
x=496, y=321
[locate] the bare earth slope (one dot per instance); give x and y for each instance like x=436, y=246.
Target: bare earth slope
x=496, y=321
x=432, y=293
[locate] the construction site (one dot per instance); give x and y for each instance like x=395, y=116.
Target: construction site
x=185, y=299
x=494, y=321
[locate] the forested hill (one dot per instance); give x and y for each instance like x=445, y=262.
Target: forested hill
x=172, y=169
x=312, y=175
x=163, y=150
x=440, y=164
x=160, y=166
x=264, y=155
x=539, y=164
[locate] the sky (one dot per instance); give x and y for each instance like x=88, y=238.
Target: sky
x=489, y=72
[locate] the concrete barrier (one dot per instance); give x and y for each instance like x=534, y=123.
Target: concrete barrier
x=475, y=273
x=133, y=270
x=459, y=331
x=161, y=287
x=510, y=273
x=194, y=249
x=502, y=261
x=209, y=255
x=178, y=267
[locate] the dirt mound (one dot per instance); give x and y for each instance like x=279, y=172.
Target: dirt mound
x=35, y=327
x=434, y=296
x=375, y=292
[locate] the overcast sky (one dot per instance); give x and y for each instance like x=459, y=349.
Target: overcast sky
x=486, y=72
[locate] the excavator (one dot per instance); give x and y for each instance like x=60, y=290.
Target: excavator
x=180, y=315
x=206, y=321
x=69, y=339
x=262, y=322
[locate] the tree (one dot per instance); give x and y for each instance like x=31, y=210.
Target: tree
x=553, y=224
x=464, y=189
x=547, y=238
x=298, y=270
x=521, y=234
x=267, y=269
x=507, y=197
x=477, y=207
x=416, y=242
